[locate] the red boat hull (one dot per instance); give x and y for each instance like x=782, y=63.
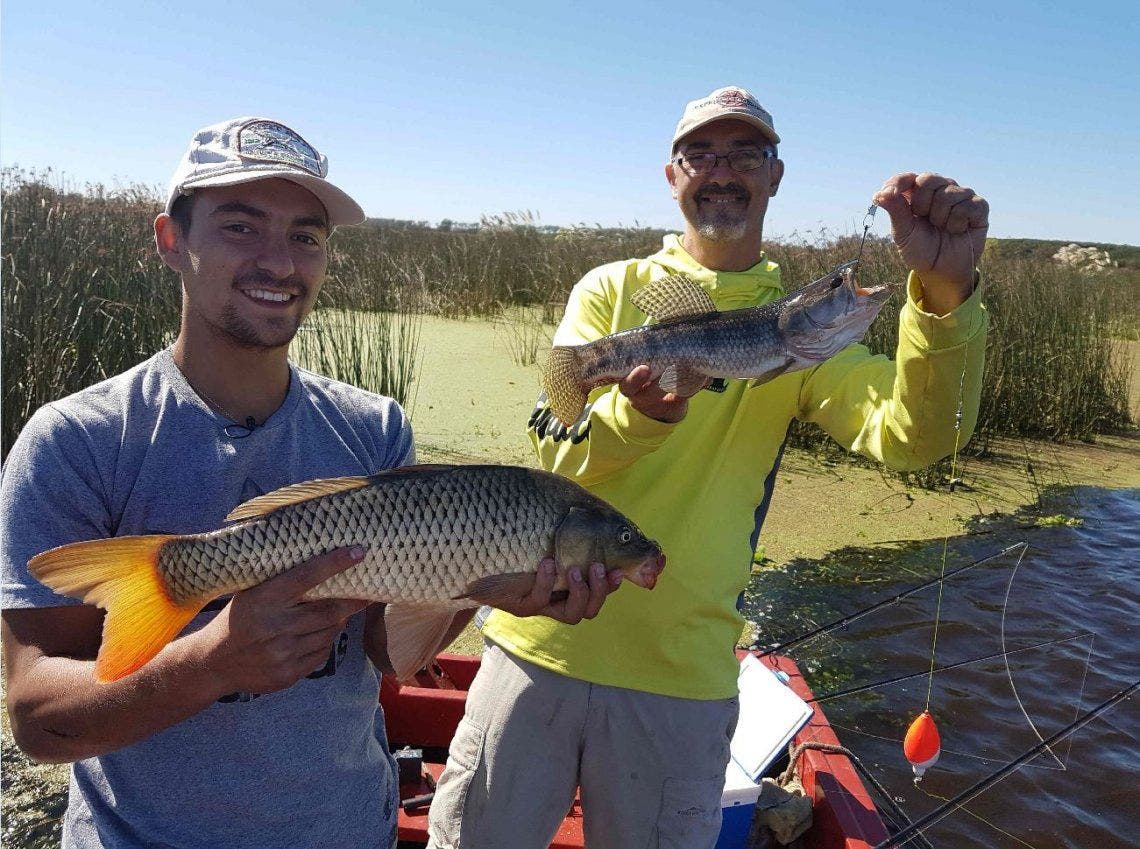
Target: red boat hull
x=426, y=714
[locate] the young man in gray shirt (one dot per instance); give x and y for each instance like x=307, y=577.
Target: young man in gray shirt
x=259, y=725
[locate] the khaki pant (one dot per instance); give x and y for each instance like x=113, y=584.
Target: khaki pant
x=651, y=768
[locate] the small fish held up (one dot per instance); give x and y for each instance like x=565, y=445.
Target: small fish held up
x=693, y=343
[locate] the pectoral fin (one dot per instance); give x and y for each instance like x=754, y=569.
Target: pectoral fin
x=682, y=380
x=500, y=590
x=415, y=635
x=771, y=373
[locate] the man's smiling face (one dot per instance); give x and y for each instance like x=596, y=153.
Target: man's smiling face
x=252, y=261
x=724, y=205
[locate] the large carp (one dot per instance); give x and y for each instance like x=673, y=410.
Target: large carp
x=437, y=539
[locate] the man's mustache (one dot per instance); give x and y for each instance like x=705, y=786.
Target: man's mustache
x=734, y=190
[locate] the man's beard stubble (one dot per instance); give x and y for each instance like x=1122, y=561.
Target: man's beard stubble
x=281, y=332
x=717, y=231
x=721, y=225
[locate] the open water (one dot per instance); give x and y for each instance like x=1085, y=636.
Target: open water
x=1075, y=580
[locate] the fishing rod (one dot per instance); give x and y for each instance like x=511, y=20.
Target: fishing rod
x=851, y=617
x=980, y=787
x=863, y=688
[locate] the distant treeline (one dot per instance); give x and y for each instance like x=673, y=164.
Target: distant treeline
x=85, y=297
x=1126, y=257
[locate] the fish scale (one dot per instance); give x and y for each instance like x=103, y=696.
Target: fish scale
x=406, y=526
x=440, y=537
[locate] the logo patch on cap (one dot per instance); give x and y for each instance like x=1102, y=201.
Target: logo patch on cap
x=734, y=98
x=269, y=141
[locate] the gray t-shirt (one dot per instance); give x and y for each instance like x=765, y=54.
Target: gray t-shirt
x=141, y=453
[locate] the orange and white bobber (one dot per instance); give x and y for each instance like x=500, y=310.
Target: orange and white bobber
x=922, y=744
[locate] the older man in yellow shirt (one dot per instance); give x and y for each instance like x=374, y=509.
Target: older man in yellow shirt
x=638, y=705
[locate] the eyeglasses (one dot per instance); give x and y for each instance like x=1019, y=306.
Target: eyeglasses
x=697, y=164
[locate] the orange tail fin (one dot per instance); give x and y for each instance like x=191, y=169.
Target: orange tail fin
x=121, y=576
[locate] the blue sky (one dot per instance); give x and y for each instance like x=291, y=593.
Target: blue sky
x=456, y=110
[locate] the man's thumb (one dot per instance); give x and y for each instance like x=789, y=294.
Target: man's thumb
x=301, y=578
x=898, y=208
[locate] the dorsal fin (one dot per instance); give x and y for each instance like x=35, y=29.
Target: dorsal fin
x=298, y=492
x=294, y=494
x=418, y=469
x=673, y=297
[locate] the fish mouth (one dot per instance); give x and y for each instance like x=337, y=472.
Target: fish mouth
x=886, y=289
x=849, y=271
x=647, y=573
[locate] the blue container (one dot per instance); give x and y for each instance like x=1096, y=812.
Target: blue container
x=737, y=804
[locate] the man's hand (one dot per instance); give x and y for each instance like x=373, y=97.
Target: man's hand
x=940, y=230
x=267, y=638
x=651, y=400
x=585, y=596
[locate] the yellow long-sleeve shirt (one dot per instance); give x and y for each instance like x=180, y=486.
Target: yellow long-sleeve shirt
x=701, y=487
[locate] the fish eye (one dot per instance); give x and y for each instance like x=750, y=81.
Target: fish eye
x=837, y=281
x=625, y=535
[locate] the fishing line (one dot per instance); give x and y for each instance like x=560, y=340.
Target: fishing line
x=868, y=220
x=946, y=539
x=980, y=787
x=980, y=819
x=950, y=492
x=1009, y=672
x=896, y=742
x=1081, y=695
x=859, y=614
x=835, y=694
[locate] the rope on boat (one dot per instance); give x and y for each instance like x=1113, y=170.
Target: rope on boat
x=792, y=772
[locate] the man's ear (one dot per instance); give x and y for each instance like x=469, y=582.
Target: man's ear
x=777, y=176
x=170, y=242
x=671, y=176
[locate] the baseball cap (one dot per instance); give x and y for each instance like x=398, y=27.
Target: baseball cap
x=728, y=102
x=245, y=149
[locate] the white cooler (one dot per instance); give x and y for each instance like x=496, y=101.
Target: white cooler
x=770, y=716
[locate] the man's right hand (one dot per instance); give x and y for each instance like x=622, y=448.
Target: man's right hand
x=586, y=592
x=267, y=638
x=651, y=400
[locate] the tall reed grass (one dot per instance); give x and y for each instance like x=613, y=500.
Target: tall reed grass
x=84, y=297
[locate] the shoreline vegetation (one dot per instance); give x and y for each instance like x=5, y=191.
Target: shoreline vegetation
x=454, y=320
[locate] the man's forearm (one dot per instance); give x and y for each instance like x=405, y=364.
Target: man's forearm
x=61, y=713
x=940, y=297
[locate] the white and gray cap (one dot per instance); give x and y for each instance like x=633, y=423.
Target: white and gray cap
x=728, y=102
x=245, y=149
